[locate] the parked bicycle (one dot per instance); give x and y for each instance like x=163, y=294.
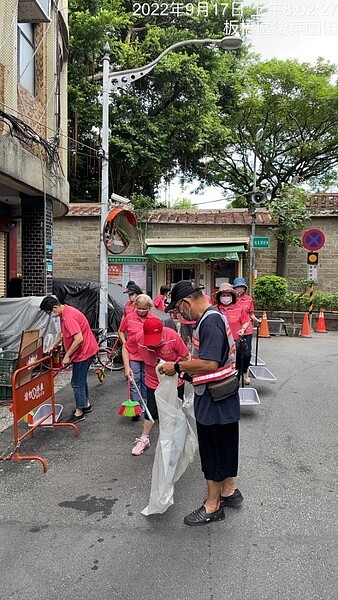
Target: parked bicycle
x=109, y=354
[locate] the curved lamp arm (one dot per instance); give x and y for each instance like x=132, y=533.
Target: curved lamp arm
x=122, y=78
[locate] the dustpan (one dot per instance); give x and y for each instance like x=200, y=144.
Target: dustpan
x=262, y=373
x=255, y=360
x=258, y=371
x=247, y=396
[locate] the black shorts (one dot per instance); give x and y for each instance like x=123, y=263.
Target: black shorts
x=218, y=447
x=151, y=402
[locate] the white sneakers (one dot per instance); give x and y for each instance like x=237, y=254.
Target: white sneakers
x=141, y=445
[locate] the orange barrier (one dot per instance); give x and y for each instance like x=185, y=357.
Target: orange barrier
x=321, y=328
x=27, y=396
x=305, y=330
x=263, y=331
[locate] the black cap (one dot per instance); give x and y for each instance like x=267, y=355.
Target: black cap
x=181, y=290
x=133, y=289
x=130, y=283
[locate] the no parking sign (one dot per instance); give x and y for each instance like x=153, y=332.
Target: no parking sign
x=313, y=240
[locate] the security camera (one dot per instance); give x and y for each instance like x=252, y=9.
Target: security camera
x=119, y=199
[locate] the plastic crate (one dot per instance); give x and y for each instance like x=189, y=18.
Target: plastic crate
x=8, y=362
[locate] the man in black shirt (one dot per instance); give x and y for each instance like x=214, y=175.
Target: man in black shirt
x=217, y=422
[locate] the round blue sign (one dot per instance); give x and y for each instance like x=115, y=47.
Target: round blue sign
x=313, y=239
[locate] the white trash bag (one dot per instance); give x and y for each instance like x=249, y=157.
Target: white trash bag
x=175, y=448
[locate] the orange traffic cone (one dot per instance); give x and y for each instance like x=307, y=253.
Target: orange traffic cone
x=263, y=331
x=321, y=323
x=305, y=330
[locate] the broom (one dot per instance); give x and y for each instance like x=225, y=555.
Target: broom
x=142, y=402
x=130, y=408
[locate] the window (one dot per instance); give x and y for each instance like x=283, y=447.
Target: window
x=182, y=273
x=26, y=58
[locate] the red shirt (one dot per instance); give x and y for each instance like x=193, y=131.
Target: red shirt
x=128, y=308
x=236, y=316
x=172, y=348
x=131, y=325
x=248, y=304
x=159, y=302
x=73, y=322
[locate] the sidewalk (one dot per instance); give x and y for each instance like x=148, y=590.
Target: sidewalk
x=77, y=531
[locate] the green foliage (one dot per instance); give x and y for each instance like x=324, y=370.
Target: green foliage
x=289, y=209
x=161, y=124
x=184, y=203
x=269, y=292
x=296, y=105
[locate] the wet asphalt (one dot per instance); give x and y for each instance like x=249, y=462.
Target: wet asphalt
x=78, y=532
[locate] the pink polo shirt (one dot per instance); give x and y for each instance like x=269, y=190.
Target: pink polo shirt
x=130, y=326
x=172, y=348
x=159, y=302
x=248, y=304
x=73, y=322
x=128, y=308
x=236, y=316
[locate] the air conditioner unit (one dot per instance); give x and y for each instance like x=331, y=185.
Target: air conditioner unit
x=34, y=11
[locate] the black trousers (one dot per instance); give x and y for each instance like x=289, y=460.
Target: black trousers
x=245, y=361
x=218, y=447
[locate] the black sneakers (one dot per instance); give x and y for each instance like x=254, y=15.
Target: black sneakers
x=74, y=419
x=234, y=500
x=87, y=409
x=201, y=517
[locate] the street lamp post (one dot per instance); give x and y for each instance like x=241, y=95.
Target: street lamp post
x=252, y=210
x=120, y=79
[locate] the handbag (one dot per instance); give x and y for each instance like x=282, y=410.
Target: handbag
x=219, y=390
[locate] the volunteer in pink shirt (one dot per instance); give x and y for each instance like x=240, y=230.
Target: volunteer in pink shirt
x=155, y=342
x=240, y=286
x=130, y=326
x=237, y=317
x=133, y=291
x=80, y=345
x=160, y=300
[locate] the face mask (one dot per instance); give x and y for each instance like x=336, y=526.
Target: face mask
x=185, y=315
x=226, y=300
x=142, y=312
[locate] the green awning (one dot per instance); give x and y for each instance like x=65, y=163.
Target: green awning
x=194, y=253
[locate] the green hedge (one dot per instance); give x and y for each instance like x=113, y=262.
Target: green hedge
x=277, y=293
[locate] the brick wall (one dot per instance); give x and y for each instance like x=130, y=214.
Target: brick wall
x=76, y=247
x=76, y=251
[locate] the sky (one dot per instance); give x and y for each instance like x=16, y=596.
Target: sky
x=296, y=29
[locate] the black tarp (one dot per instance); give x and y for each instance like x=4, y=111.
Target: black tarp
x=85, y=296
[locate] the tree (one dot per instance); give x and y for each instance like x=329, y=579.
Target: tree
x=184, y=203
x=289, y=209
x=297, y=106
x=162, y=123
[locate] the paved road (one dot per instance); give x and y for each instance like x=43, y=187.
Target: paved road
x=77, y=531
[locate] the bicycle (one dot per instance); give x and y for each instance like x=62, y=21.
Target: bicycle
x=109, y=354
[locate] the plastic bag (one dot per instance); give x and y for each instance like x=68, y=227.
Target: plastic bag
x=175, y=448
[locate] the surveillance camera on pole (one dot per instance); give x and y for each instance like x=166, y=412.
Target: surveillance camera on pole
x=119, y=199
